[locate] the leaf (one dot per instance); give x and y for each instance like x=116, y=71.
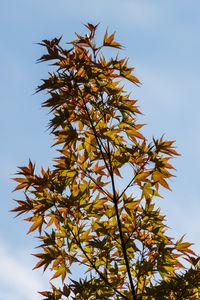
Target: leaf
x=40, y=264
x=85, y=235
x=142, y=176
x=164, y=183
x=37, y=224
x=99, y=169
x=116, y=171
x=80, y=72
x=62, y=271
x=135, y=134
x=133, y=79
x=132, y=205
x=184, y=247
x=110, y=42
x=20, y=186
x=91, y=27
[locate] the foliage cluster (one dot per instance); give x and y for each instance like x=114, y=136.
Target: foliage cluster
x=85, y=210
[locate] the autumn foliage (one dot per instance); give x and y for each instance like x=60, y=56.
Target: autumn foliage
x=97, y=209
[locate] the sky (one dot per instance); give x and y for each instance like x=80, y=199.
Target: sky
x=162, y=41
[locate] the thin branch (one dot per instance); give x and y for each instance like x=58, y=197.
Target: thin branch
x=91, y=262
x=132, y=180
x=139, y=271
x=95, y=268
x=123, y=244
x=96, y=137
x=94, y=181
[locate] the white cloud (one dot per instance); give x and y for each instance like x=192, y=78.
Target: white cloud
x=17, y=280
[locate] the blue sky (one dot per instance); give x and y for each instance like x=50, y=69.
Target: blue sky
x=162, y=42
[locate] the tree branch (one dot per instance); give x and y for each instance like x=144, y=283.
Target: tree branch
x=95, y=268
x=123, y=244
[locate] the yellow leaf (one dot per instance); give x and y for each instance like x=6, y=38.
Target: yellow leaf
x=109, y=41
x=133, y=79
x=36, y=224
x=132, y=205
x=85, y=235
x=142, y=176
x=62, y=270
x=80, y=72
x=134, y=133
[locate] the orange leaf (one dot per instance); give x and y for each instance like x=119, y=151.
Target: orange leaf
x=98, y=169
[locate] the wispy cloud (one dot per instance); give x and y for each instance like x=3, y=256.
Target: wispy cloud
x=17, y=280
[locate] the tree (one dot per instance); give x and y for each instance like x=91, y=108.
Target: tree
x=96, y=209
